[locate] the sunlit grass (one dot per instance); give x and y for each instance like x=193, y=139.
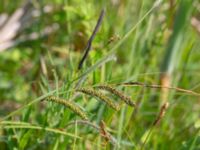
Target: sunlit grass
x=153, y=62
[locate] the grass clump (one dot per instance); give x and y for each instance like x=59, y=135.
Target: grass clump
x=82, y=59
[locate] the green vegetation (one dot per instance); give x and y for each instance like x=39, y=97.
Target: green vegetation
x=138, y=88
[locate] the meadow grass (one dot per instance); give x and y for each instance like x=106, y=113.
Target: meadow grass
x=146, y=81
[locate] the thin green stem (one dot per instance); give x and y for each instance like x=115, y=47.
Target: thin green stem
x=38, y=128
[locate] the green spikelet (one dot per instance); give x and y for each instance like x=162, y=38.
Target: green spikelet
x=100, y=96
x=76, y=109
x=120, y=94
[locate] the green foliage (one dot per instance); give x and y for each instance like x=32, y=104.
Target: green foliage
x=135, y=39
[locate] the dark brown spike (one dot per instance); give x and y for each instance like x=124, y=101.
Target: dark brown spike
x=89, y=43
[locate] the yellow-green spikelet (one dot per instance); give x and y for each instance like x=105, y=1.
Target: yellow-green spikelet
x=101, y=96
x=76, y=109
x=120, y=94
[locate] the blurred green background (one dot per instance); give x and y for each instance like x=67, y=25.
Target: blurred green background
x=154, y=42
